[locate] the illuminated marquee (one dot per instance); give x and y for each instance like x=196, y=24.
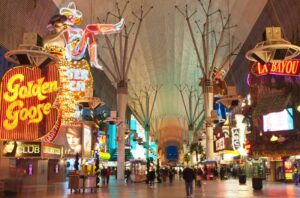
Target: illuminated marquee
x=236, y=144
x=77, y=78
x=27, y=102
x=288, y=67
x=52, y=150
x=76, y=83
x=288, y=170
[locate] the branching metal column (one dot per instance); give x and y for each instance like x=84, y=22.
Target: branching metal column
x=191, y=105
x=146, y=100
x=119, y=69
x=210, y=60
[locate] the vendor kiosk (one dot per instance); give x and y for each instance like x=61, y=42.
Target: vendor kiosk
x=138, y=170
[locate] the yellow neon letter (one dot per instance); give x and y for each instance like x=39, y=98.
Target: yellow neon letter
x=13, y=88
x=12, y=116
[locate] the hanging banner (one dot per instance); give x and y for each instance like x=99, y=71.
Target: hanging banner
x=287, y=67
x=28, y=103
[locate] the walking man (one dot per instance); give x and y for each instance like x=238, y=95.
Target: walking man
x=295, y=175
x=188, y=176
x=107, y=175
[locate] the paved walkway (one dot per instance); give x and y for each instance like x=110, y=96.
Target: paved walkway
x=214, y=189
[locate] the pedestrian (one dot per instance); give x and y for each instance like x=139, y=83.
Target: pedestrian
x=171, y=174
x=188, y=176
x=127, y=174
x=107, y=175
x=164, y=175
x=103, y=175
x=222, y=173
x=180, y=173
x=234, y=173
x=295, y=175
x=151, y=177
x=215, y=172
x=198, y=176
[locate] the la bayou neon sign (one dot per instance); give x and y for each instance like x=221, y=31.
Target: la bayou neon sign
x=288, y=67
x=27, y=98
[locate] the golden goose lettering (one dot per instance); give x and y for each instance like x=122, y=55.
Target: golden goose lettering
x=37, y=88
x=17, y=110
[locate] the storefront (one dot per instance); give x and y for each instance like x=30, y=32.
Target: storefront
x=32, y=162
x=274, y=117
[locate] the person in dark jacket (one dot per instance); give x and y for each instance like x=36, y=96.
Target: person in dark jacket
x=151, y=177
x=188, y=176
x=103, y=175
x=171, y=175
x=127, y=174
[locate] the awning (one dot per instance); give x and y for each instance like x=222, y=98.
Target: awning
x=271, y=104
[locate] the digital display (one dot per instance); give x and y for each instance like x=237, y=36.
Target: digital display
x=279, y=121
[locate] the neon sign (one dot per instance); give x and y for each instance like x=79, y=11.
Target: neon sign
x=236, y=144
x=76, y=40
x=77, y=78
x=247, y=147
x=220, y=144
x=52, y=150
x=16, y=92
x=288, y=170
x=28, y=101
x=288, y=67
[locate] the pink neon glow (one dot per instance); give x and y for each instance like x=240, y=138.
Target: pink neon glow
x=248, y=79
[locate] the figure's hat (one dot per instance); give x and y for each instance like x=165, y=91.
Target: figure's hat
x=70, y=10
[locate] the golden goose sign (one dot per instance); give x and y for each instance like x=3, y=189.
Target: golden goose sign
x=28, y=108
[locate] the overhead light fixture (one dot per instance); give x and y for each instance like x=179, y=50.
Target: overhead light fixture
x=297, y=106
x=89, y=102
x=231, y=99
x=31, y=52
x=215, y=118
x=273, y=49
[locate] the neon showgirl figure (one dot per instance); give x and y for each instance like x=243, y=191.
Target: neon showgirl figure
x=74, y=40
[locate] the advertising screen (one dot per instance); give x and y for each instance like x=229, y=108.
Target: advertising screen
x=279, y=121
x=71, y=137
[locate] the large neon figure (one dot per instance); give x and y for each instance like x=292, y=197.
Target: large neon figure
x=76, y=40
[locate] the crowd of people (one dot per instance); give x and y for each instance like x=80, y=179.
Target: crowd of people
x=167, y=174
